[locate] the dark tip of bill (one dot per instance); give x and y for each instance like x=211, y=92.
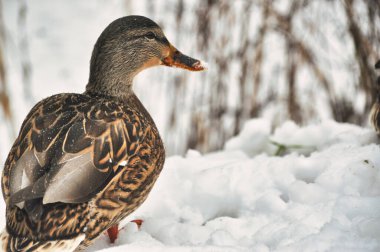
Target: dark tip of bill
x=377, y=65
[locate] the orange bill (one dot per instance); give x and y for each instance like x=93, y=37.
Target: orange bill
x=177, y=59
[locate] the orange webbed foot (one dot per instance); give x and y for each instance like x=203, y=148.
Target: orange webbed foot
x=113, y=232
x=138, y=222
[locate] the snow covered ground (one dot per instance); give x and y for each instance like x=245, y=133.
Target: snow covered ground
x=315, y=188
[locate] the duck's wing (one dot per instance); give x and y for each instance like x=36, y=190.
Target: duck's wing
x=69, y=154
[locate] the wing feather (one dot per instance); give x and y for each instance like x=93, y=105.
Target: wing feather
x=76, y=181
x=67, y=153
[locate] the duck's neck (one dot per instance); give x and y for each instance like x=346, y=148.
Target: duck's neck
x=116, y=86
x=111, y=75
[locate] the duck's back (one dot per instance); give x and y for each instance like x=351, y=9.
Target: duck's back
x=80, y=164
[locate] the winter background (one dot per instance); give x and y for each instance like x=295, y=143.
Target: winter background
x=269, y=150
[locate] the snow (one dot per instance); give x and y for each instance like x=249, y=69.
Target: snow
x=312, y=188
x=321, y=194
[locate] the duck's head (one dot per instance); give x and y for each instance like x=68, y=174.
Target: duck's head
x=126, y=47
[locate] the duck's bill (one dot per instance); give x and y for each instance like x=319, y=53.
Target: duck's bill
x=177, y=59
x=377, y=65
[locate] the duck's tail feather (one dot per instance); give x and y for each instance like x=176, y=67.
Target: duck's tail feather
x=9, y=243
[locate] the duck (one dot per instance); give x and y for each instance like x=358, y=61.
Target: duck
x=82, y=162
x=374, y=117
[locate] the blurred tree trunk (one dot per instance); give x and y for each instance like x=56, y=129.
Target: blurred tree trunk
x=4, y=96
x=24, y=51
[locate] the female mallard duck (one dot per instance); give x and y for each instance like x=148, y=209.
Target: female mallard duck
x=83, y=162
x=375, y=111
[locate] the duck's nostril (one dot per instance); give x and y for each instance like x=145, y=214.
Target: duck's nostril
x=177, y=53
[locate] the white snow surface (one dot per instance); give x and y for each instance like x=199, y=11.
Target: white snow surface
x=322, y=194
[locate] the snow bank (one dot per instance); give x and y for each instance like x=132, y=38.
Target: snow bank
x=315, y=188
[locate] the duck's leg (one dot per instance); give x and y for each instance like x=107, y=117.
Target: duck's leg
x=113, y=233
x=138, y=222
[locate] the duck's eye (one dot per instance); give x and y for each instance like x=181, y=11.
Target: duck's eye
x=150, y=35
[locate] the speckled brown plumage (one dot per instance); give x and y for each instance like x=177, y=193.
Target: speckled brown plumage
x=111, y=132
x=83, y=162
